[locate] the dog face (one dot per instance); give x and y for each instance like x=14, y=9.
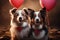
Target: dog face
x=21, y=16
x=39, y=17
x=18, y=15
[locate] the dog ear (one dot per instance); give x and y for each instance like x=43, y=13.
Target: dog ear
x=12, y=11
x=43, y=12
x=31, y=12
x=25, y=11
x=28, y=11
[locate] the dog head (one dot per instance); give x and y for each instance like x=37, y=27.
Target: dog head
x=39, y=17
x=18, y=15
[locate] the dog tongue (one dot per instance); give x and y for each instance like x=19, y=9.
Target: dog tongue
x=19, y=28
x=37, y=32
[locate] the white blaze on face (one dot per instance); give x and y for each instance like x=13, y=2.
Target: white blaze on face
x=37, y=17
x=19, y=14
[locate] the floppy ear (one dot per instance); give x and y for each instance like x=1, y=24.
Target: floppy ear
x=31, y=12
x=12, y=11
x=43, y=12
x=28, y=10
x=25, y=10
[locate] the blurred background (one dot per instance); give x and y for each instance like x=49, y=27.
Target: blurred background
x=53, y=15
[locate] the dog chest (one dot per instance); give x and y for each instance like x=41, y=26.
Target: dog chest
x=40, y=35
x=22, y=32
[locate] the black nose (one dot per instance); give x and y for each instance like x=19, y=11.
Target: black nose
x=37, y=20
x=20, y=19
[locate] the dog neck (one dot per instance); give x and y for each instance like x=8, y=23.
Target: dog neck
x=40, y=33
x=23, y=24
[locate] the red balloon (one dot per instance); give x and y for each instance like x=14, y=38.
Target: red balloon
x=49, y=4
x=16, y=3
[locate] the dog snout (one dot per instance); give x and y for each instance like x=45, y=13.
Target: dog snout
x=37, y=20
x=20, y=19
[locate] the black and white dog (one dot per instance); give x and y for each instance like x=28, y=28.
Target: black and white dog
x=20, y=23
x=39, y=27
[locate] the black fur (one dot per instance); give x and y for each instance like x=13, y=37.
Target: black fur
x=43, y=12
x=31, y=12
x=26, y=11
x=13, y=11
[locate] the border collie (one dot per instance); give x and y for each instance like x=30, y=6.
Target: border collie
x=20, y=23
x=39, y=28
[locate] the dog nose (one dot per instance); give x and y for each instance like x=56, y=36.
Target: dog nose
x=20, y=19
x=37, y=20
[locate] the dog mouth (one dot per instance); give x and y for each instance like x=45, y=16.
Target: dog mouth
x=37, y=22
x=20, y=20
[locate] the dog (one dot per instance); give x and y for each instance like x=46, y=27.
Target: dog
x=39, y=27
x=20, y=23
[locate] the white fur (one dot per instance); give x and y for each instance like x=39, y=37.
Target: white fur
x=20, y=14
x=37, y=16
x=24, y=24
x=23, y=33
x=39, y=27
x=41, y=35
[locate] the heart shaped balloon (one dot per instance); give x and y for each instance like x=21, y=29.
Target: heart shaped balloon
x=49, y=4
x=16, y=3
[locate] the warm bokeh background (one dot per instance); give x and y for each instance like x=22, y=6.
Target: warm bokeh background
x=54, y=16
